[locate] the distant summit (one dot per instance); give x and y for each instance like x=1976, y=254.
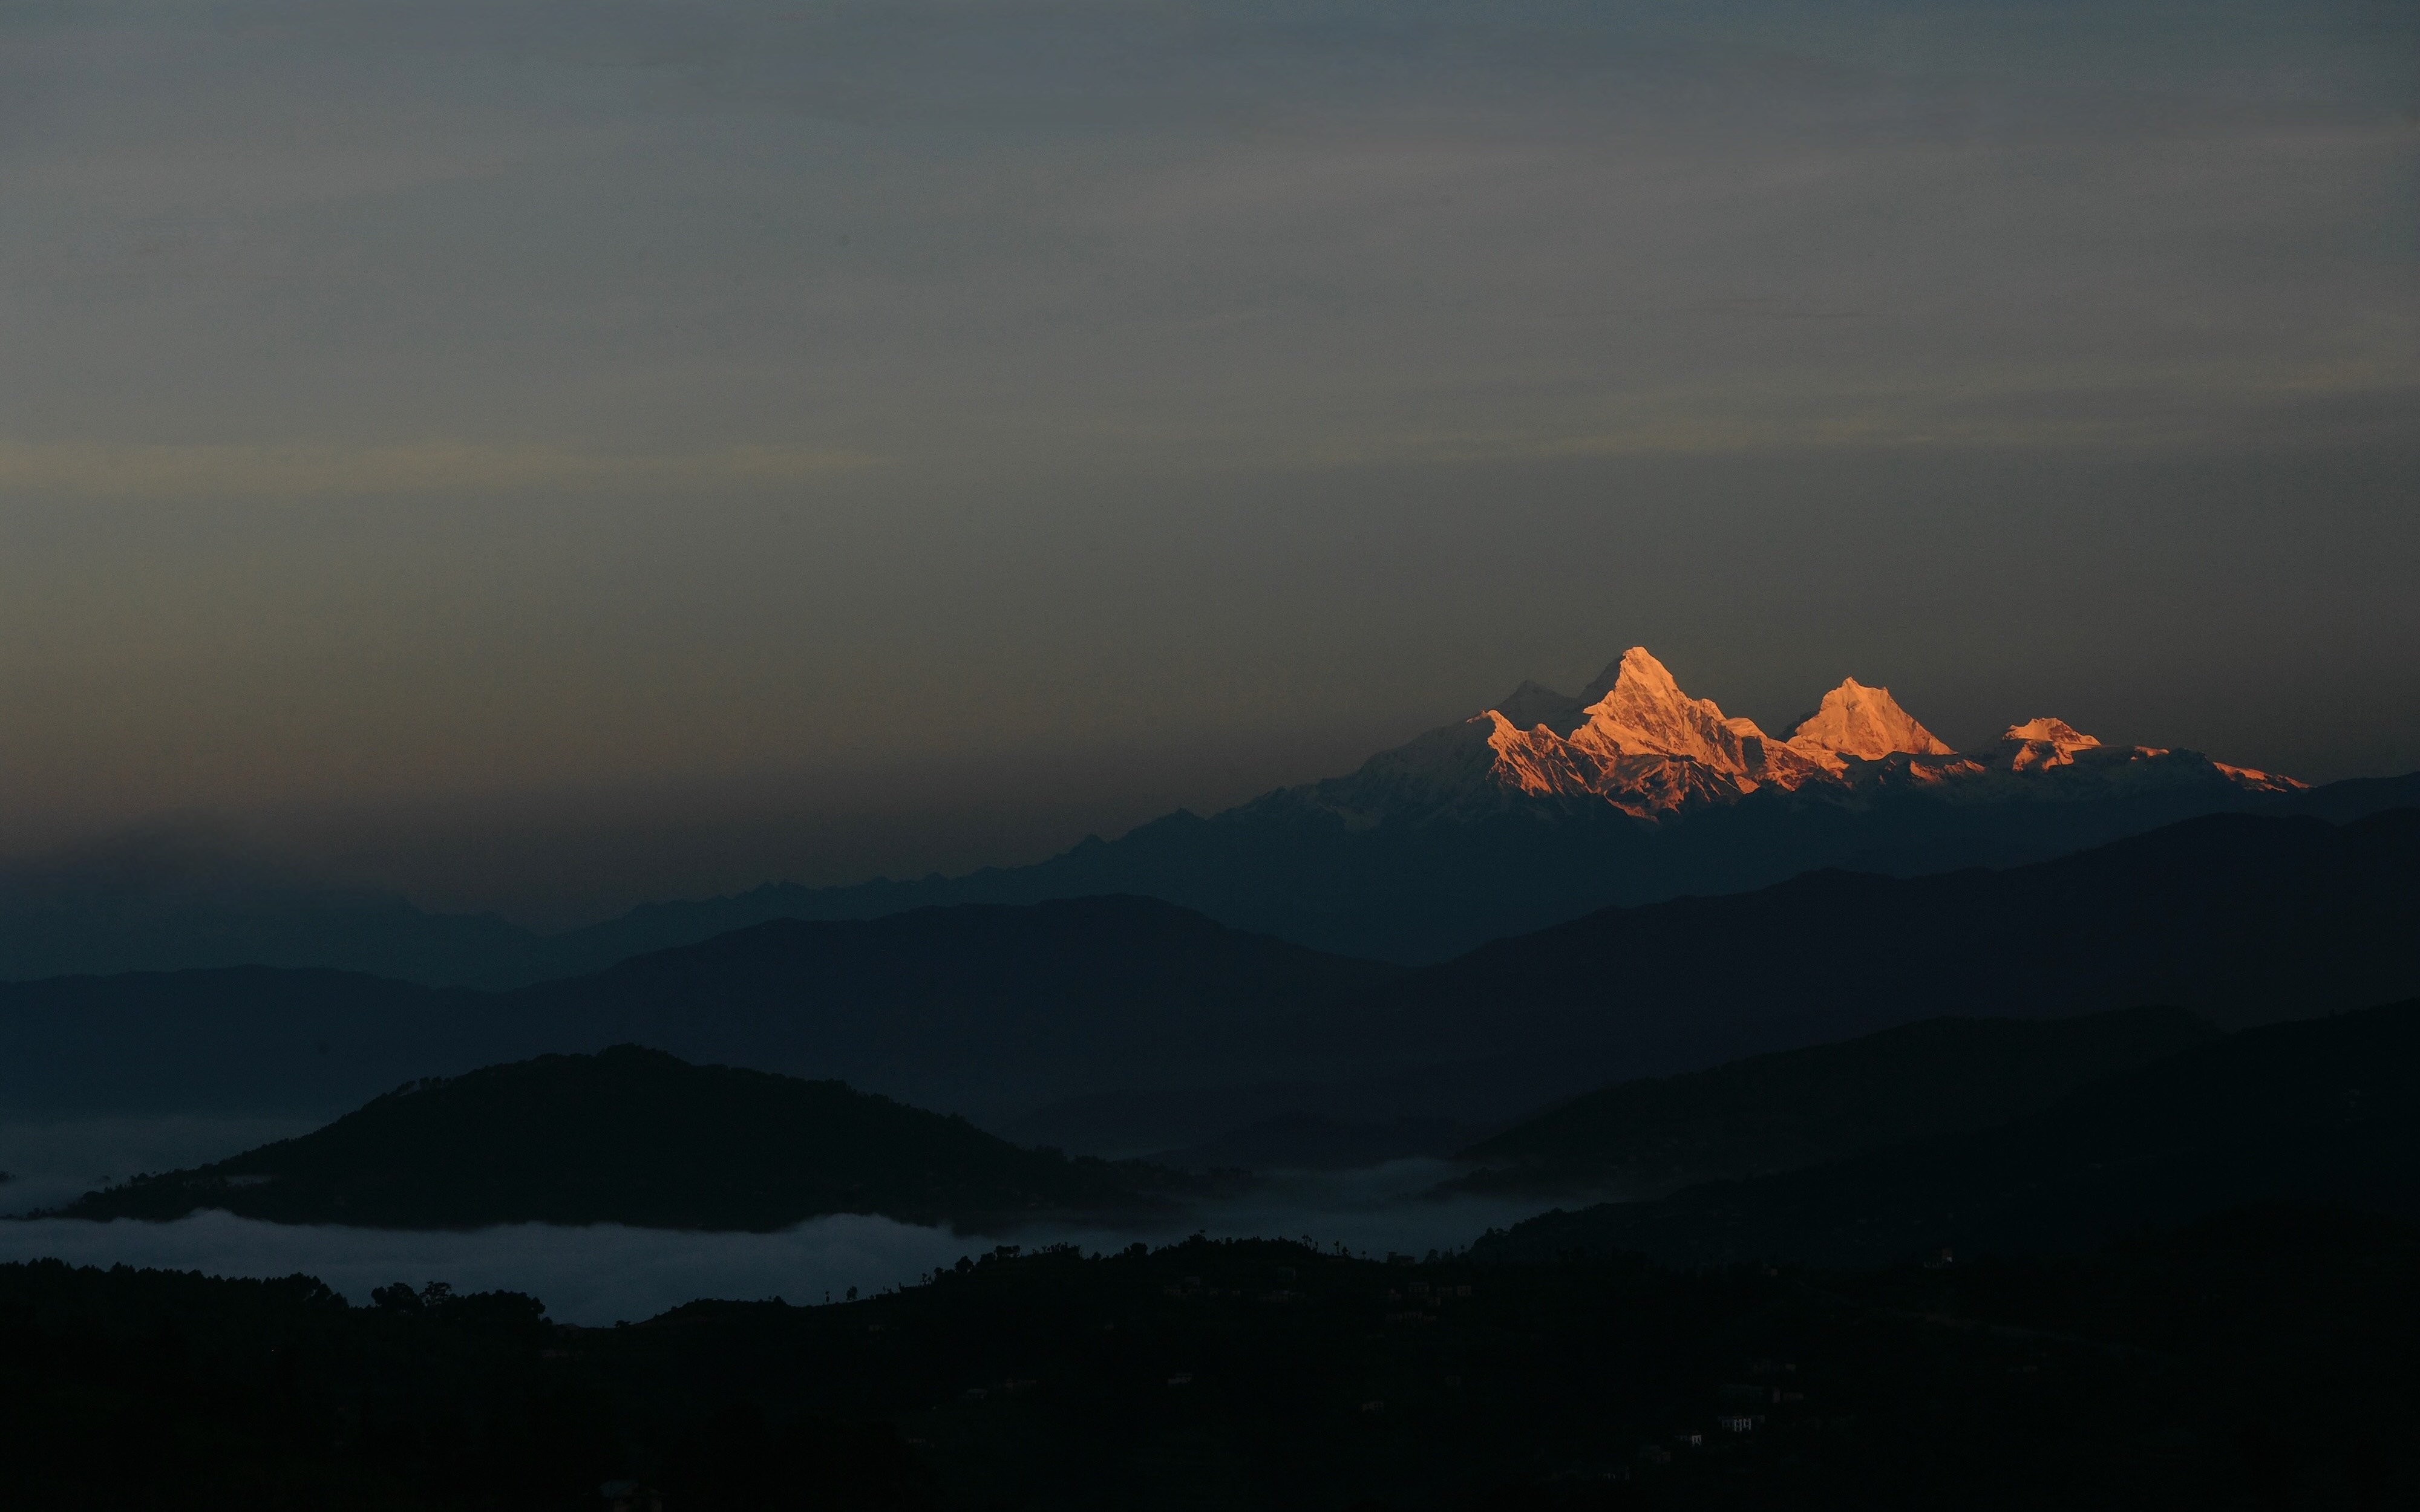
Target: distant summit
x=1863, y=722
x=1635, y=742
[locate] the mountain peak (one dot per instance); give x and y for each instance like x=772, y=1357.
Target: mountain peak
x=2044, y=743
x=1864, y=722
x=2052, y=733
x=1635, y=740
x=1645, y=714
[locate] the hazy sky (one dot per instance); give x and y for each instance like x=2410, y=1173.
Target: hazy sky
x=547, y=454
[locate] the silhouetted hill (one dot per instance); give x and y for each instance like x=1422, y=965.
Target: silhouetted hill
x=2237, y=918
x=632, y=1136
x=2326, y=1110
x=1800, y=1107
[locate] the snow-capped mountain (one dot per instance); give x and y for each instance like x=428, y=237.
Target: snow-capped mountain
x=1534, y=810
x=1634, y=742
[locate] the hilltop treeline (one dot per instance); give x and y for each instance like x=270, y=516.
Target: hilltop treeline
x=2258, y=1359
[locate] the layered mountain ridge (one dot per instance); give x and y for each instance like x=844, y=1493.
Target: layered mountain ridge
x=1533, y=811
x=1634, y=741
x=1119, y=1025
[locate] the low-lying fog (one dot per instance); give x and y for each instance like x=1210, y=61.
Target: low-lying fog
x=608, y=1272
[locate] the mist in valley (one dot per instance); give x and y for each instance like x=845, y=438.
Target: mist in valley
x=610, y=1272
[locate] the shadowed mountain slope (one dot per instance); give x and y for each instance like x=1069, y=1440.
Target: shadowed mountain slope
x=632, y=1136
x=2326, y=1110
x=1419, y=890
x=1001, y=1011
x=983, y=1005
x=1800, y=1107
x=2237, y=918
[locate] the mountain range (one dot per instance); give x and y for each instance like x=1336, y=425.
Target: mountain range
x=1124, y=1024
x=1634, y=741
x=1536, y=809
x=2240, y=919
x=958, y=1008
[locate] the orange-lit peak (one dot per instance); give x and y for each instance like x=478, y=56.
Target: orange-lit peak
x=1644, y=713
x=1864, y=722
x=2051, y=732
x=1635, y=741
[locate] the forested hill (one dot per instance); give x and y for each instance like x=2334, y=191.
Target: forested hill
x=635, y=1136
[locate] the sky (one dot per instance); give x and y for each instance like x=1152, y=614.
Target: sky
x=543, y=455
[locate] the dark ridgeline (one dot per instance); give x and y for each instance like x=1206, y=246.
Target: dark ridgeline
x=2259, y=1359
x=1421, y=889
x=1405, y=859
x=2326, y=1110
x=940, y=1006
x=162, y=902
x=2235, y=918
x=982, y=1006
x=1124, y=1024
x=1800, y=1107
x=637, y=1136
x=2238, y=919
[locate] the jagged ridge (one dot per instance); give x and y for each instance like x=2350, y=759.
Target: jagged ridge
x=1636, y=741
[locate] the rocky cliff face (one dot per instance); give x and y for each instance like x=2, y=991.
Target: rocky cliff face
x=1635, y=741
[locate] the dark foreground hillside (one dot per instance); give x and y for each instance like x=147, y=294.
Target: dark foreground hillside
x=2257, y=1360
x=2325, y=1110
x=635, y=1136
